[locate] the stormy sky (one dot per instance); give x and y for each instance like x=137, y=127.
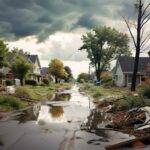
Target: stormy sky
x=53, y=28
x=20, y=18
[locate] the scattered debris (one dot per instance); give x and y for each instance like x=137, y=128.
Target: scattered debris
x=10, y=89
x=146, y=124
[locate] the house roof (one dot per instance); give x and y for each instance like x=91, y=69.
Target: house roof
x=44, y=71
x=127, y=64
x=33, y=58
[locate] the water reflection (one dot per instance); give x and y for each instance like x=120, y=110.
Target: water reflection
x=56, y=111
x=61, y=97
x=51, y=114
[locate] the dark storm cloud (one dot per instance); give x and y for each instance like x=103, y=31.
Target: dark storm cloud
x=20, y=18
x=87, y=20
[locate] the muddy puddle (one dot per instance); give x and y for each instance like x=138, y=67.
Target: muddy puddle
x=69, y=121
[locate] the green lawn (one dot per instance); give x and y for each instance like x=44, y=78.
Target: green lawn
x=24, y=94
x=99, y=91
x=40, y=92
x=122, y=98
x=10, y=103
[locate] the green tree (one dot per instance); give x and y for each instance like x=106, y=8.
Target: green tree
x=57, y=70
x=69, y=75
x=20, y=68
x=83, y=77
x=104, y=44
x=3, y=53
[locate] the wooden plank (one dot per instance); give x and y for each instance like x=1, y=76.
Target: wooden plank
x=128, y=143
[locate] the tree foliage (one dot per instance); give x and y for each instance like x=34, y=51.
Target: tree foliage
x=69, y=75
x=57, y=70
x=21, y=68
x=3, y=53
x=83, y=77
x=104, y=44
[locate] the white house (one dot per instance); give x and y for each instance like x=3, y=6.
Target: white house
x=35, y=73
x=122, y=72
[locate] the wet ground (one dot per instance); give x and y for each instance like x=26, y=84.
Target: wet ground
x=67, y=122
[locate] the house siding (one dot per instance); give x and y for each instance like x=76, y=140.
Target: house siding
x=119, y=76
x=36, y=69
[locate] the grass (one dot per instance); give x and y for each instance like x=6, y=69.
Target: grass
x=126, y=100
x=144, y=90
x=99, y=91
x=32, y=93
x=40, y=92
x=9, y=103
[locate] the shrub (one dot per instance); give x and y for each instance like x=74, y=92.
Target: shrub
x=10, y=82
x=31, y=82
x=97, y=94
x=45, y=81
x=146, y=92
x=106, y=80
x=128, y=102
x=10, y=102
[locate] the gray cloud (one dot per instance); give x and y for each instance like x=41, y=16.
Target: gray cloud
x=20, y=18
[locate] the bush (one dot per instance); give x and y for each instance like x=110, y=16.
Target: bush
x=97, y=94
x=10, y=102
x=106, y=80
x=146, y=92
x=31, y=82
x=45, y=81
x=10, y=82
x=128, y=102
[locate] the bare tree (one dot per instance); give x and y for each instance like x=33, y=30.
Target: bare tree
x=141, y=38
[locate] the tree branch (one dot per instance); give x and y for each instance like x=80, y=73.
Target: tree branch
x=145, y=9
x=146, y=17
x=145, y=22
x=146, y=48
x=142, y=33
x=145, y=39
x=130, y=31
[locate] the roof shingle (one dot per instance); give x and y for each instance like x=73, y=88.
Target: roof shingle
x=127, y=63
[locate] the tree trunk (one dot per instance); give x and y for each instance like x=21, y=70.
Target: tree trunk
x=97, y=76
x=97, y=70
x=138, y=48
x=21, y=81
x=56, y=80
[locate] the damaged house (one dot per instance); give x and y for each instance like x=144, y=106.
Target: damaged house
x=122, y=72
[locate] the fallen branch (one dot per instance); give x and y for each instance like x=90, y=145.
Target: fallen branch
x=127, y=143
